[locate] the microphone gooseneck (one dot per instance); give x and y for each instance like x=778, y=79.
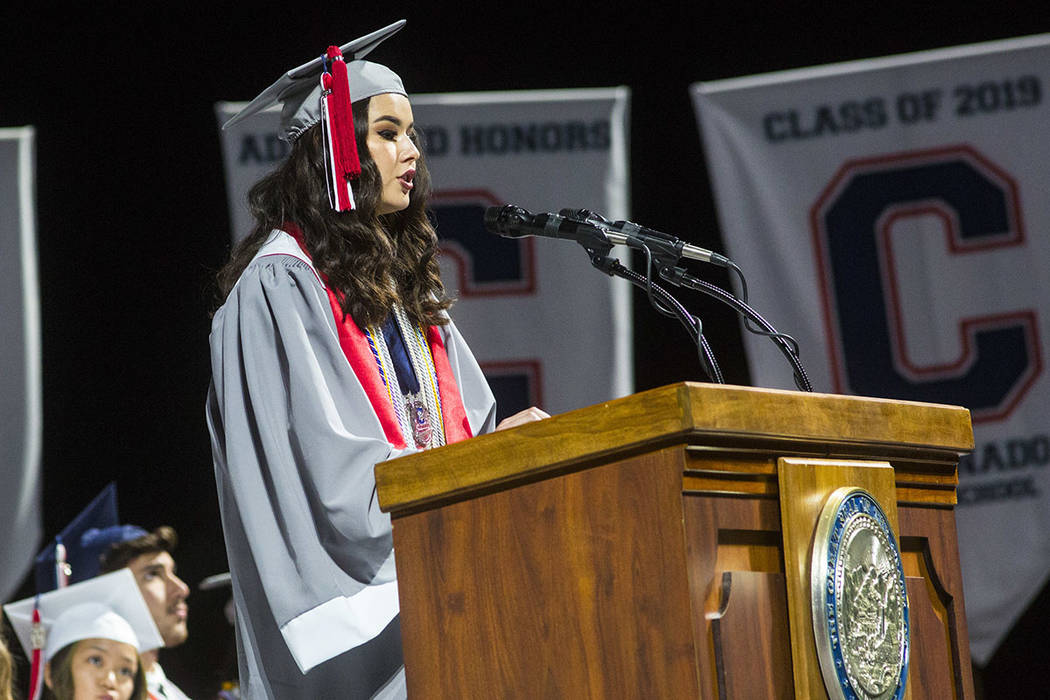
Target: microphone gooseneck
x=662, y=253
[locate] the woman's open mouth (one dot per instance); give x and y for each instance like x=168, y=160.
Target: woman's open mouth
x=406, y=179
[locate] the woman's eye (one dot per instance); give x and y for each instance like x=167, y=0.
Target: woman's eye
x=388, y=134
x=95, y=660
x=127, y=671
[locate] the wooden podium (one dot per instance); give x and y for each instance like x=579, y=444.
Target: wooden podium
x=636, y=549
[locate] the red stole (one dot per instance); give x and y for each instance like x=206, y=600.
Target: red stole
x=355, y=346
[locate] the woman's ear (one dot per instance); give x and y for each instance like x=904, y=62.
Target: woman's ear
x=47, y=674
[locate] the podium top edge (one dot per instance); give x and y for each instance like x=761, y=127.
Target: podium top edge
x=687, y=413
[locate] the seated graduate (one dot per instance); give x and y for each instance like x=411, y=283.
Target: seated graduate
x=88, y=637
x=149, y=556
x=332, y=351
x=94, y=542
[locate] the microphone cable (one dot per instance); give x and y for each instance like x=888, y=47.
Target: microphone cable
x=787, y=345
x=668, y=306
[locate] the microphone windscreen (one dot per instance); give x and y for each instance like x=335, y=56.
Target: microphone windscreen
x=507, y=220
x=492, y=219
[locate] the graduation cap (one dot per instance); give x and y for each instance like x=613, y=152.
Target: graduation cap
x=73, y=555
x=105, y=607
x=321, y=91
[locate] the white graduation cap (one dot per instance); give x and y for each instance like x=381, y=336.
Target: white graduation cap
x=104, y=607
x=299, y=90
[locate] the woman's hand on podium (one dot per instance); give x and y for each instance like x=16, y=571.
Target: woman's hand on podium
x=522, y=417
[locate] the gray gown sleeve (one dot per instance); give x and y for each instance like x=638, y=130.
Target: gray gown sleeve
x=295, y=441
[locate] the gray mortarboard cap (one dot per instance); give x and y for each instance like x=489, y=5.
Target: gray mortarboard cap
x=299, y=90
x=105, y=607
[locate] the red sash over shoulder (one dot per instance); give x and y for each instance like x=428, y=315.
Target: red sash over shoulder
x=453, y=415
x=358, y=353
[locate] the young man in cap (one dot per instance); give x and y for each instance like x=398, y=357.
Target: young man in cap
x=149, y=557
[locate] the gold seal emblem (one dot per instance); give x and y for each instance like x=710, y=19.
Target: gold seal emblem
x=858, y=599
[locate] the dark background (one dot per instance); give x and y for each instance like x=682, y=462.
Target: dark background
x=132, y=210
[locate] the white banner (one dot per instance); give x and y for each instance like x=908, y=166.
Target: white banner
x=890, y=214
x=20, y=394
x=547, y=328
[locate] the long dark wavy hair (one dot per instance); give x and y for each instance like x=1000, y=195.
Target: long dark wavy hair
x=371, y=261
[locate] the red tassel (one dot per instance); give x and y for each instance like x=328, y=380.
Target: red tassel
x=345, y=164
x=36, y=673
x=342, y=114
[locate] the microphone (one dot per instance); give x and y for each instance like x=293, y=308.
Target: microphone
x=635, y=236
x=514, y=222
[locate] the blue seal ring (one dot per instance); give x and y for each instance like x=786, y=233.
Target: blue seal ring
x=847, y=512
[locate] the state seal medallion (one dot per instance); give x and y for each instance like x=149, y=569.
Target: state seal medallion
x=858, y=599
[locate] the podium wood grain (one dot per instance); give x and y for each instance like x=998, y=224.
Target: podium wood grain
x=634, y=549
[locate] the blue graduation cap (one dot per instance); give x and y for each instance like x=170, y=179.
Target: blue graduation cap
x=73, y=555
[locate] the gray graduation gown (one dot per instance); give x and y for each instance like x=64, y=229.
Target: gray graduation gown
x=295, y=440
